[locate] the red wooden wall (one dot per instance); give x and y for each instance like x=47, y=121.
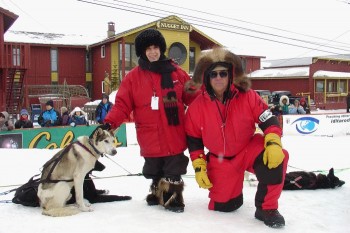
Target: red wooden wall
x=39, y=72
x=71, y=66
x=282, y=84
x=99, y=67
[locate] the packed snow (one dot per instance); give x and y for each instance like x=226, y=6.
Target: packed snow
x=304, y=211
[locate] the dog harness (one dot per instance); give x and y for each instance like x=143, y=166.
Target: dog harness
x=58, y=159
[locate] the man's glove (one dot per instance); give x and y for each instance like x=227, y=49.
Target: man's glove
x=273, y=155
x=105, y=126
x=200, y=168
x=72, y=124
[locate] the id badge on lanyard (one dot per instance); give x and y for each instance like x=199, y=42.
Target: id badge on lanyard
x=155, y=102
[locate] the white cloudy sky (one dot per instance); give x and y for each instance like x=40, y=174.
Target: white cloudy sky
x=247, y=27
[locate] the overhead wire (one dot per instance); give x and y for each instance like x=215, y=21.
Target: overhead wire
x=248, y=22
x=131, y=8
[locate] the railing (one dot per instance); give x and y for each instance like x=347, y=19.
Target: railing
x=69, y=96
x=15, y=56
x=330, y=100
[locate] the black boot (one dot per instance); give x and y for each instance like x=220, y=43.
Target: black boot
x=170, y=195
x=271, y=218
x=152, y=198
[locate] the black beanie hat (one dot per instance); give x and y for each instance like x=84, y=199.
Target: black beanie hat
x=105, y=96
x=147, y=38
x=50, y=102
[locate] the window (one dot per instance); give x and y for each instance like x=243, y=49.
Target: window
x=342, y=86
x=16, y=56
x=192, y=59
x=88, y=62
x=332, y=86
x=244, y=63
x=319, y=86
x=54, y=60
x=131, y=59
x=178, y=52
x=103, y=86
x=103, y=51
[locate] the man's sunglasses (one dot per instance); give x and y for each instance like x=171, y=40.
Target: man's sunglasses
x=222, y=74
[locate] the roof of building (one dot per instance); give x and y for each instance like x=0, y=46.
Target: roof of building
x=331, y=74
x=49, y=38
x=282, y=72
x=296, y=72
x=205, y=41
x=302, y=61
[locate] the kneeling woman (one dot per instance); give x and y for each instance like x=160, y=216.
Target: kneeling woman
x=223, y=119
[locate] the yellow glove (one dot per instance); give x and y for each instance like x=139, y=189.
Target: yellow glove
x=200, y=168
x=273, y=155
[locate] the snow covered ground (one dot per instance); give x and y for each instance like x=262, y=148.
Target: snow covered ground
x=304, y=211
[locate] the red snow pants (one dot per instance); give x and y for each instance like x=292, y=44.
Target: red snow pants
x=227, y=177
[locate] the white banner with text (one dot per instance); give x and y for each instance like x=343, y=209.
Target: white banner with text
x=324, y=125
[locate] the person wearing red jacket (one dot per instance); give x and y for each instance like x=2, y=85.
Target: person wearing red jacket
x=223, y=119
x=157, y=91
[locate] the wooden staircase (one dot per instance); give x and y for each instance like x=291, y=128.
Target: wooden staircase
x=14, y=90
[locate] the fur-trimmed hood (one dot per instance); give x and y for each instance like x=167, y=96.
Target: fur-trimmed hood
x=210, y=59
x=78, y=109
x=284, y=97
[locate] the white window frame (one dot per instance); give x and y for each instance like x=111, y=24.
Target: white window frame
x=103, y=86
x=54, y=59
x=103, y=51
x=16, y=56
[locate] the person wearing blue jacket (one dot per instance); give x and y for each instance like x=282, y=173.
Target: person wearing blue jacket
x=78, y=117
x=103, y=108
x=50, y=117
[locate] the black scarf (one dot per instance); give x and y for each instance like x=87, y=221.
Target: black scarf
x=164, y=67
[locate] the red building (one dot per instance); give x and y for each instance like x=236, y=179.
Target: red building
x=48, y=62
x=325, y=79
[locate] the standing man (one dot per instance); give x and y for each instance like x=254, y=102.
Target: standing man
x=223, y=120
x=103, y=108
x=155, y=92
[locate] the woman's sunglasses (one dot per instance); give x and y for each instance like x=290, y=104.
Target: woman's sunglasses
x=222, y=74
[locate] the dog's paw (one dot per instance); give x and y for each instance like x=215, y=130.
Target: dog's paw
x=86, y=208
x=87, y=203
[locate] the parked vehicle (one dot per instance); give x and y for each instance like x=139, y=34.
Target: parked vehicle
x=265, y=94
x=276, y=95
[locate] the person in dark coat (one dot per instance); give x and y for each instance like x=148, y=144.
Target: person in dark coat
x=24, y=121
x=348, y=103
x=49, y=117
x=103, y=108
x=157, y=91
x=223, y=121
x=65, y=116
x=305, y=106
x=78, y=117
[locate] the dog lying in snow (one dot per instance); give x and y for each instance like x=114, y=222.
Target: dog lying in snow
x=299, y=180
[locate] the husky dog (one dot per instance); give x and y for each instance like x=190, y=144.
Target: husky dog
x=68, y=168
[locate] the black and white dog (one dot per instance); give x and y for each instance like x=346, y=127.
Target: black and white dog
x=299, y=180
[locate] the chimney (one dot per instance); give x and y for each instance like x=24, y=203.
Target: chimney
x=111, y=30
